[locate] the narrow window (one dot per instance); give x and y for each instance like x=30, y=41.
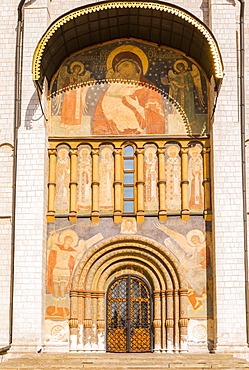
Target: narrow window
x=129, y=179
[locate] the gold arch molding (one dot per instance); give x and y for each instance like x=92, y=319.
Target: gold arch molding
x=120, y=252
x=156, y=22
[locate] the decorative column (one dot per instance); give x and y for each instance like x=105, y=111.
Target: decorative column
x=87, y=329
x=176, y=316
x=170, y=321
x=51, y=185
x=95, y=185
x=94, y=335
x=140, y=185
x=162, y=184
x=207, y=184
x=101, y=321
x=117, y=186
x=157, y=323
x=164, y=343
x=73, y=321
x=184, y=184
x=80, y=316
x=73, y=185
x=183, y=321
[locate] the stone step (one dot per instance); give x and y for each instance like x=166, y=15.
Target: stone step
x=122, y=361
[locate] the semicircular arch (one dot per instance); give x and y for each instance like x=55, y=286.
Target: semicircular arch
x=111, y=249
x=157, y=22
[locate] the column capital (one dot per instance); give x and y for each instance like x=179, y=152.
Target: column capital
x=117, y=151
x=139, y=151
x=206, y=150
x=161, y=151
x=184, y=150
x=95, y=151
x=73, y=152
x=52, y=151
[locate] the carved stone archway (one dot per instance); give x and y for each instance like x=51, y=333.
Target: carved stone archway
x=128, y=255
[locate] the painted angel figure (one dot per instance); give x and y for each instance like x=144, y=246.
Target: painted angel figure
x=193, y=253
x=64, y=252
x=73, y=99
x=182, y=86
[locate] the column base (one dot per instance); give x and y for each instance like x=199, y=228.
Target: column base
x=207, y=214
x=50, y=217
x=72, y=217
x=140, y=216
x=117, y=217
x=95, y=216
x=185, y=215
x=162, y=215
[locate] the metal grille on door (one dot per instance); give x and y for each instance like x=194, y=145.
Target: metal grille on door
x=128, y=315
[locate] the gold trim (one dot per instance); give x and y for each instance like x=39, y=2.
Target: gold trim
x=38, y=54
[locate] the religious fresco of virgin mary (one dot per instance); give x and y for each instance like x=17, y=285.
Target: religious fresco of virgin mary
x=128, y=88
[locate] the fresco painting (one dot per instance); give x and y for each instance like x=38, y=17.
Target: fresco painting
x=62, y=180
x=189, y=243
x=195, y=170
x=193, y=252
x=106, y=179
x=64, y=250
x=151, y=178
x=128, y=225
x=173, y=178
x=128, y=88
x=84, y=179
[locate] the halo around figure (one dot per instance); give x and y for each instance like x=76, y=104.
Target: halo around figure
x=81, y=65
x=192, y=233
x=173, y=148
x=179, y=62
x=71, y=233
x=128, y=48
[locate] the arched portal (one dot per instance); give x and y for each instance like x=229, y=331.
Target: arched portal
x=155, y=269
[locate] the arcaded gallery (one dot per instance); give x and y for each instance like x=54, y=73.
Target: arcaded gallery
x=130, y=259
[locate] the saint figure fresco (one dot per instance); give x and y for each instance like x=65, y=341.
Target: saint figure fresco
x=128, y=108
x=64, y=252
x=182, y=87
x=193, y=253
x=84, y=179
x=61, y=261
x=173, y=178
x=129, y=225
x=62, y=180
x=74, y=104
x=195, y=170
x=151, y=178
x=106, y=178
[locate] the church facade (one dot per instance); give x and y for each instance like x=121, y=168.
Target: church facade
x=123, y=177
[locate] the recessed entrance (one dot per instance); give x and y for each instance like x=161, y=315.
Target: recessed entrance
x=129, y=315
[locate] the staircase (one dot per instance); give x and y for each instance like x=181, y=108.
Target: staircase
x=122, y=361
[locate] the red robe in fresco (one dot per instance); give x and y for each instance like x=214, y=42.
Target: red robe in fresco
x=126, y=109
x=62, y=259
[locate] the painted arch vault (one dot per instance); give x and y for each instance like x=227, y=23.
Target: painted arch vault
x=134, y=89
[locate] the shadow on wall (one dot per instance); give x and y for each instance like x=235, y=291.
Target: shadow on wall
x=31, y=111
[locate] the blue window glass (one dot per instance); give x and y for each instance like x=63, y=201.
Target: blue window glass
x=128, y=151
x=128, y=206
x=129, y=192
x=128, y=178
x=129, y=164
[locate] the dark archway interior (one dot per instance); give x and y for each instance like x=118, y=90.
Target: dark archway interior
x=153, y=25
